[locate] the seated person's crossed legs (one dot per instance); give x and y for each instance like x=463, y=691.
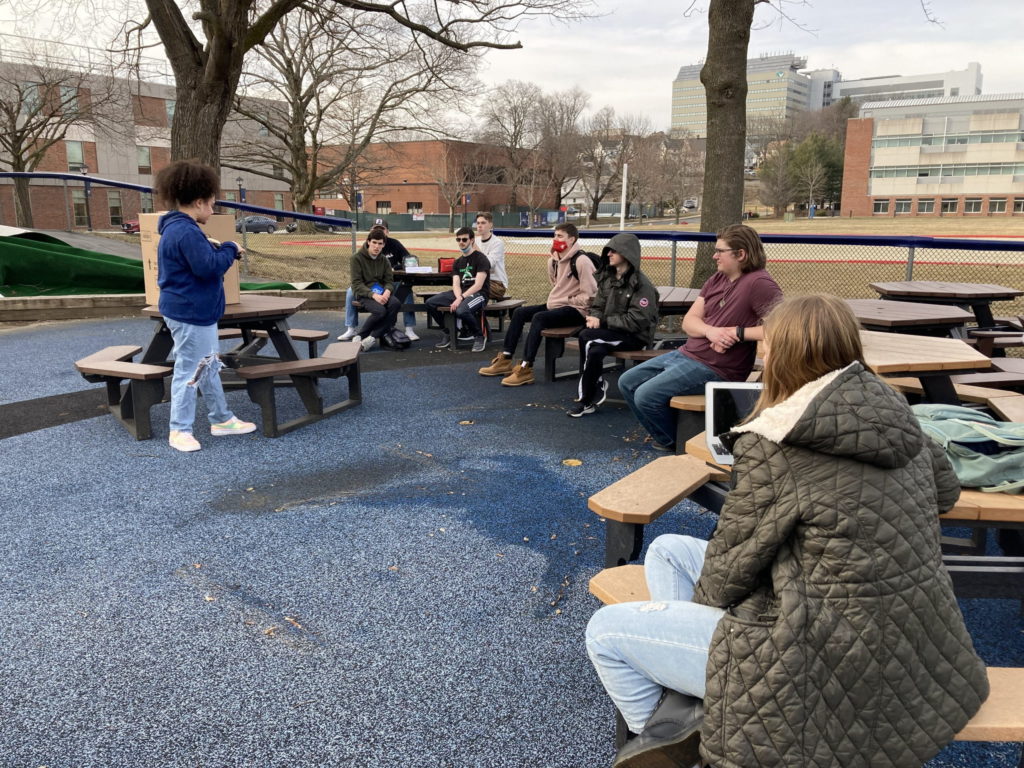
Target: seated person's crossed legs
x=648, y=388
x=539, y=317
x=469, y=312
x=380, y=319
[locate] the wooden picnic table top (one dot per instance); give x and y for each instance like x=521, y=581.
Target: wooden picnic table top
x=902, y=314
x=905, y=353
x=942, y=290
x=253, y=306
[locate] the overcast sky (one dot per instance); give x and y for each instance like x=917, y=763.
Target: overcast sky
x=629, y=56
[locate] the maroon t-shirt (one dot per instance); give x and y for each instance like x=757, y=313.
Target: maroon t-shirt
x=744, y=301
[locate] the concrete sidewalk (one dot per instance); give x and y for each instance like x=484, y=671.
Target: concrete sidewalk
x=403, y=584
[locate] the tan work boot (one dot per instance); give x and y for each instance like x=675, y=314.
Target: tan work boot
x=500, y=366
x=522, y=374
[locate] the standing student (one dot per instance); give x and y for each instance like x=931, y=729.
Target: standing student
x=373, y=283
x=396, y=254
x=468, y=295
x=573, y=284
x=624, y=315
x=493, y=247
x=723, y=326
x=819, y=625
x=190, y=268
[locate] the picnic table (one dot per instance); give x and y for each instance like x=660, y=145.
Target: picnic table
x=909, y=317
x=676, y=300
x=977, y=296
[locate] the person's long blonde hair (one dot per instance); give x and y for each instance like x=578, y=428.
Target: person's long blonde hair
x=806, y=337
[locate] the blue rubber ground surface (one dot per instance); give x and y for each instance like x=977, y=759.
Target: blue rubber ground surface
x=387, y=587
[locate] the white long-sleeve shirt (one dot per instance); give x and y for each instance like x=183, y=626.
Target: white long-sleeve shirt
x=494, y=249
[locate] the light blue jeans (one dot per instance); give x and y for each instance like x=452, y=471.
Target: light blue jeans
x=352, y=317
x=191, y=344
x=640, y=648
x=648, y=387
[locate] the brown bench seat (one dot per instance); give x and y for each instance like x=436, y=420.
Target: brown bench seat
x=301, y=334
x=145, y=388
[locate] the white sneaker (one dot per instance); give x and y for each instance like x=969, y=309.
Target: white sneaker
x=233, y=426
x=411, y=333
x=368, y=343
x=348, y=335
x=183, y=441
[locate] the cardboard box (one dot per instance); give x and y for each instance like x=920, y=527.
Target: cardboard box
x=221, y=226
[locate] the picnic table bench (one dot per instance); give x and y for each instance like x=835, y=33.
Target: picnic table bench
x=131, y=405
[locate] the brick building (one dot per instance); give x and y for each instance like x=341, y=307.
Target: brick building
x=959, y=156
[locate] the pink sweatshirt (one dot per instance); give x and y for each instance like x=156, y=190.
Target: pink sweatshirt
x=567, y=291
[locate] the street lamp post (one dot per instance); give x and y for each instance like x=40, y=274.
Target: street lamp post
x=88, y=194
x=241, y=192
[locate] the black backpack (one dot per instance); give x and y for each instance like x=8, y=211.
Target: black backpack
x=596, y=260
x=395, y=339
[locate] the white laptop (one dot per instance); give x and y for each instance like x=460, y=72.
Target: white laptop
x=726, y=404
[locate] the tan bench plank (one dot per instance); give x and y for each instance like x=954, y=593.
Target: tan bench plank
x=645, y=494
x=688, y=403
x=624, y=584
x=291, y=367
x=298, y=334
x=344, y=350
x=1001, y=717
x=124, y=370
x=109, y=354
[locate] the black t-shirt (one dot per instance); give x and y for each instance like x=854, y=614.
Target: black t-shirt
x=395, y=252
x=469, y=266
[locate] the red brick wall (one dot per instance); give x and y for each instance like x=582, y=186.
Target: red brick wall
x=856, y=164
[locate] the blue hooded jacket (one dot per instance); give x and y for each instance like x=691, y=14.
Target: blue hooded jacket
x=190, y=271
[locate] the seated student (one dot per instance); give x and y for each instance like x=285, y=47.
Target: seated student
x=623, y=316
x=493, y=247
x=572, y=287
x=468, y=296
x=818, y=626
x=395, y=253
x=722, y=326
x=373, y=282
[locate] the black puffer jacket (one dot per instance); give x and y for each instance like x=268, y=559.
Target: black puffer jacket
x=629, y=303
x=842, y=644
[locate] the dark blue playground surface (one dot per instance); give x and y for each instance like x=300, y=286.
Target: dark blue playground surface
x=388, y=587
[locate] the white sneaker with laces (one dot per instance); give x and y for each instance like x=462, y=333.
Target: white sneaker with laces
x=411, y=333
x=233, y=426
x=368, y=343
x=183, y=441
x=348, y=335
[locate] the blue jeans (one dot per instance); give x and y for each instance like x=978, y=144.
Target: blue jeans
x=648, y=387
x=191, y=344
x=402, y=292
x=640, y=648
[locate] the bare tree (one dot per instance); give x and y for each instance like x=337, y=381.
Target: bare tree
x=341, y=80
x=683, y=171
x=509, y=122
x=646, y=181
x=207, y=61
x=40, y=105
x=608, y=144
x=765, y=132
x=457, y=168
x=560, y=142
x=777, y=179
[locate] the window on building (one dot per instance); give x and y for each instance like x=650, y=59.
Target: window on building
x=972, y=205
x=383, y=207
x=78, y=207
x=949, y=205
x=146, y=203
x=76, y=155
x=170, y=105
x=413, y=207
x=145, y=161
x=69, y=99
x=230, y=196
x=30, y=100
x=954, y=91
x=902, y=206
x=926, y=206
x=279, y=200
x=997, y=205
x=1018, y=205
x=881, y=206
x=278, y=172
x=261, y=127
x=114, y=207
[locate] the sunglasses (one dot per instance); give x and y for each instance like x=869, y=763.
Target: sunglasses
x=462, y=239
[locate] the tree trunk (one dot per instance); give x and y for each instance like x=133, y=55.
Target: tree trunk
x=724, y=76
x=199, y=117
x=23, y=203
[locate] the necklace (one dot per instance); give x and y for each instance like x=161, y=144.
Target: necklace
x=728, y=293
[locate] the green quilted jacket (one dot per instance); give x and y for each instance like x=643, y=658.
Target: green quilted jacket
x=842, y=644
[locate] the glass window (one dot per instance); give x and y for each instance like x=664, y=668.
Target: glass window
x=76, y=155
x=279, y=200
x=145, y=162
x=30, y=101
x=146, y=203
x=114, y=206
x=412, y=207
x=230, y=196
x=78, y=207
x=881, y=206
x=1018, y=205
x=949, y=205
x=170, y=104
x=902, y=206
x=68, y=99
x=997, y=205
x=972, y=205
x=278, y=172
x=926, y=206
x=384, y=207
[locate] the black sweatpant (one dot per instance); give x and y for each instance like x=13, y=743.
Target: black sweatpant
x=539, y=317
x=595, y=345
x=381, y=316
x=467, y=310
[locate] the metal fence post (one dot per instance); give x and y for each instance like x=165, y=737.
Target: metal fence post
x=910, y=262
x=672, y=268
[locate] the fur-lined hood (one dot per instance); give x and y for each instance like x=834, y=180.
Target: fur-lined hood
x=848, y=412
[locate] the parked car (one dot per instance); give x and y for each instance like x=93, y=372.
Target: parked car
x=256, y=224
x=130, y=227
x=690, y=203
x=320, y=227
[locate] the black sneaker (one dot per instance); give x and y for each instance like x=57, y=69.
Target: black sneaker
x=603, y=394
x=466, y=336
x=444, y=343
x=581, y=410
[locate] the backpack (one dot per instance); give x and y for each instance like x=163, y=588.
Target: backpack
x=985, y=453
x=596, y=260
x=395, y=339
